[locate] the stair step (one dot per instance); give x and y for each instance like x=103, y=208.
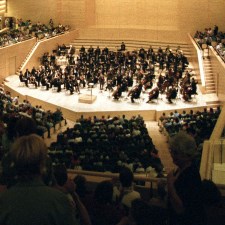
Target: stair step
x=212, y=86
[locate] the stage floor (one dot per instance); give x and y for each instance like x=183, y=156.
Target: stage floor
x=104, y=100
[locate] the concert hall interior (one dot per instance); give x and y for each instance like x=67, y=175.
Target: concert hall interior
x=161, y=61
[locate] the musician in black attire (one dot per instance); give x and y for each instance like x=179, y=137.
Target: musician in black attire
x=118, y=92
x=135, y=94
x=153, y=94
x=44, y=82
x=171, y=94
x=69, y=86
x=194, y=86
x=101, y=81
x=122, y=47
x=23, y=78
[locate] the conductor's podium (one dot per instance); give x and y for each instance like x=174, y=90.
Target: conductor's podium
x=88, y=98
x=85, y=98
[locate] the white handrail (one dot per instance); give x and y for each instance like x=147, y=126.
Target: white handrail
x=200, y=60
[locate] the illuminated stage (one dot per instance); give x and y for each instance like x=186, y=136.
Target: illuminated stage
x=104, y=102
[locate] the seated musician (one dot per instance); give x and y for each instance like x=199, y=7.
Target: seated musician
x=109, y=86
x=186, y=92
x=122, y=47
x=135, y=94
x=76, y=85
x=153, y=94
x=171, y=94
x=23, y=78
x=33, y=81
x=56, y=82
x=44, y=82
x=147, y=81
x=118, y=92
x=69, y=86
x=82, y=80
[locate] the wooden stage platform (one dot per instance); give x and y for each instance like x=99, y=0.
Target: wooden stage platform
x=102, y=102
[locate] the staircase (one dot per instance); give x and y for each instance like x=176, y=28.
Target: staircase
x=210, y=86
x=27, y=58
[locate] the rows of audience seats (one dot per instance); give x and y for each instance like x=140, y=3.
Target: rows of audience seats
x=199, y=124
x=24, y=30
x=212, y=37
x=106, y=144
x=12, y=109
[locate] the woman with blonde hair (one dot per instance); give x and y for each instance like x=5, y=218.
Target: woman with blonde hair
x=30, y=201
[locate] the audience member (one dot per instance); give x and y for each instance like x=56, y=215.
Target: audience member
x=101, y=209
x=30, y=199
x=67, y=186
x=126, y=194
x=185, y=200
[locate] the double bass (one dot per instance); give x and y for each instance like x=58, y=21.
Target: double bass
x=171, y=93
x=118, y=92
x=153, y=94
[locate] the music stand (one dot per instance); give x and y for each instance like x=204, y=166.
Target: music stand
x=91, y=85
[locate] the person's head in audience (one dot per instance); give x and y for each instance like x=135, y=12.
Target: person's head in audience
x=126, y=177
x=31, y=201
x=25, y=126
x=80, y=182
x=60, y=174
x=183, y=148
x=29, y=154
x=104, y=192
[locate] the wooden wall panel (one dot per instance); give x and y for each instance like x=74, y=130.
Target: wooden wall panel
x=173, y=15
x=19, y=51
x=40, y=10
x=67, y=12
x=48, y=45
x=177, y=15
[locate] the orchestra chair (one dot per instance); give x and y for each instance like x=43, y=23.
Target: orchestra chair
x=21, y=84
x=68, y=92
x=54, y=89
x=31, y=85
x=155, y=100
x=43, y=88
x=194, y=98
